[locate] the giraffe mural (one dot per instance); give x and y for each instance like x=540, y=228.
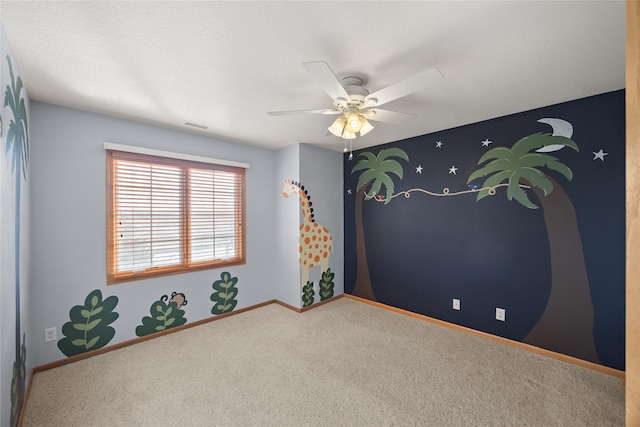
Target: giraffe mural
x=315, y=241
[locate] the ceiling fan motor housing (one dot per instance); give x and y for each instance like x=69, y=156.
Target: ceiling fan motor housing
x=353, y=86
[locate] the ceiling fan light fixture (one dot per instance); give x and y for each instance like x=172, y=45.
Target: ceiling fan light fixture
x=338, y=126
x=366, y=127
x=348, y=127
x=354, y=122
x=348, y=135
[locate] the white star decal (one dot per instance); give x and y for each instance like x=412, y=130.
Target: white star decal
x=419, y=169
x=439, y=144
x=349, y=191
x=599, y=155
x=486, y=143
x=453, y=170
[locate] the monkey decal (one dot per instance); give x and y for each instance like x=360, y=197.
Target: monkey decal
x=177, y=297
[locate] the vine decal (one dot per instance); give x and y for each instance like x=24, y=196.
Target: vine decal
x=307, y=294
x=326, y=285
x=163, y=316
x=487, y=191
x=224, y=298
x=88, y=328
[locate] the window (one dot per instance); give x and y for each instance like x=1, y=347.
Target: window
x=167, y=216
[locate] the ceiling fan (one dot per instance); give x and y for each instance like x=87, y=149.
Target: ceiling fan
x=355, y=105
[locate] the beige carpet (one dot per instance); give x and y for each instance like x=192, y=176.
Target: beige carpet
x=345, y=363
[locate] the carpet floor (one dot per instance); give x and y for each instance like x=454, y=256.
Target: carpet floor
x=344, y=363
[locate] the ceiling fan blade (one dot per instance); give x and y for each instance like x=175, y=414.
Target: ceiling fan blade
x=404, y=87
x=292, y=112
x=388, y=116
x=325, y=77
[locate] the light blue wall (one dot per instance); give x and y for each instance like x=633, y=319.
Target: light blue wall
x=287, y=283
x=324, y=182
x=69, y=223
x=320, y=172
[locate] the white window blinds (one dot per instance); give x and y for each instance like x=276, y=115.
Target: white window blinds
x=168, y=216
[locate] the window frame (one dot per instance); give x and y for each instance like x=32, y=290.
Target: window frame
x=184, y=163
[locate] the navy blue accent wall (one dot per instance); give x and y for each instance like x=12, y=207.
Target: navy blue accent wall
x=426, y=249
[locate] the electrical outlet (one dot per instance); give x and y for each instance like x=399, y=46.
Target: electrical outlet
x=456, y=304
x=50, y=334
x=500, y=314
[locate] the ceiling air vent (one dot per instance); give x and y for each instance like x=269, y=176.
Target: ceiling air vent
x=196, y=125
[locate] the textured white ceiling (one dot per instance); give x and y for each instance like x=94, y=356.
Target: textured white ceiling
x=224, y=64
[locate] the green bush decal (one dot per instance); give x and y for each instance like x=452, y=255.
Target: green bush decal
x=226, y=292
x=163, y=317
x=326, y=285
x=307, y=294
x=89, y=326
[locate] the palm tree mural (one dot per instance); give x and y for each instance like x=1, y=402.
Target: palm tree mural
x=374, y=176
x=18, y=143
x=566, y=325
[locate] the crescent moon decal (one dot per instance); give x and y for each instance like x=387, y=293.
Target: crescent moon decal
x=560, y=128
